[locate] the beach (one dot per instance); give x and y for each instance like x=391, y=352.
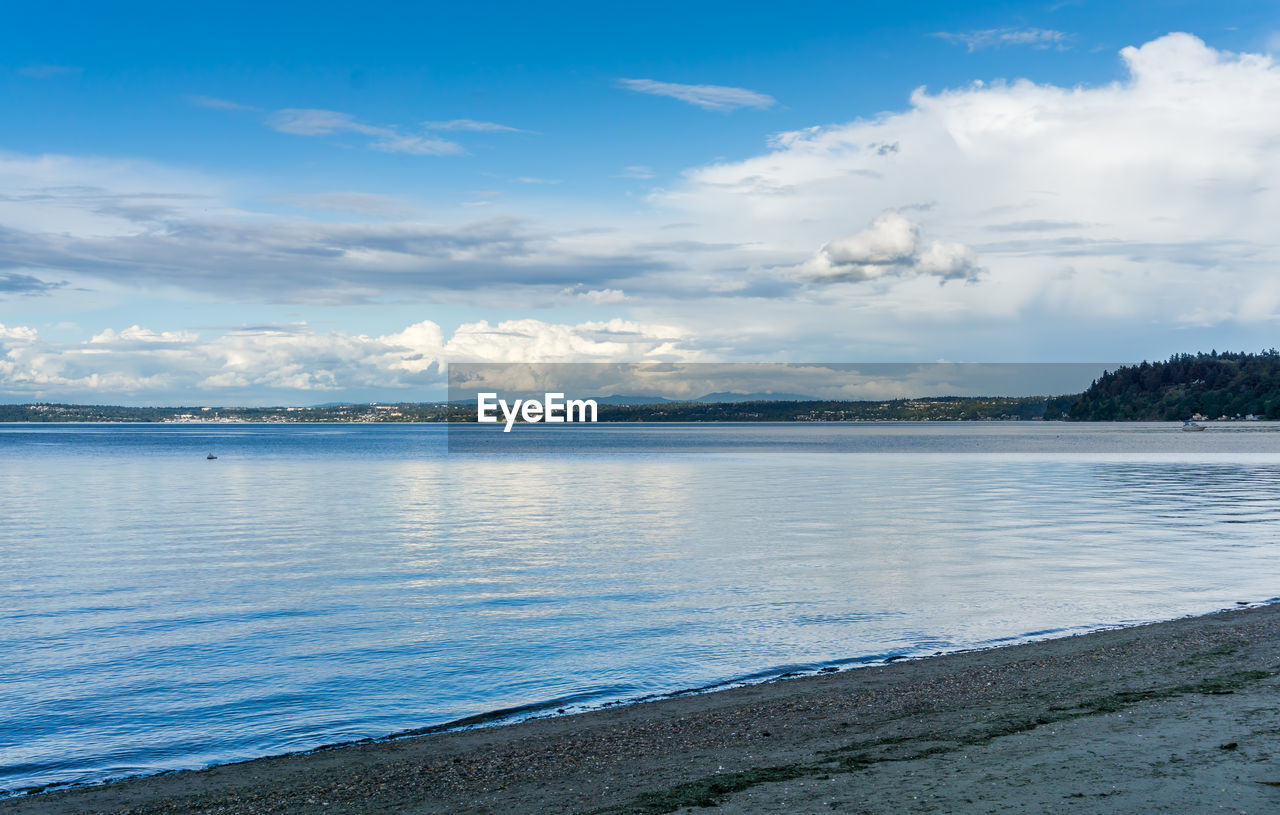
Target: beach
x=1176, y=716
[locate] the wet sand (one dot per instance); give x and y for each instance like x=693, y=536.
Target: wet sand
x=1181, y=716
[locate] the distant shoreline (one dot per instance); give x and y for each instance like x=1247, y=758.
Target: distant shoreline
x=925, y=409
x=1214, y=387
x=141, y=423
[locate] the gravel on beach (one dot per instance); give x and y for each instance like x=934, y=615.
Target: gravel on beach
x=1180, y=716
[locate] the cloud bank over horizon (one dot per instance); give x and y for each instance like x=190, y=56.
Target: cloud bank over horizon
x=294, y=364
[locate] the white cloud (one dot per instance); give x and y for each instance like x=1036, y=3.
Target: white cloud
x=995, y=37
x=315, y=122
x=1116, y=203
x=603, y=297
x=890, y=246
x=358, y=203
x=416, y=146
x=473, y=126
x=1144, y=208
x=135, y=224
x=215, y=103
x=708, y=97
x=178, y=365
x=596, y=297
x=137, y=334
x=536, y=341
x=68, y=196
x=17, y=333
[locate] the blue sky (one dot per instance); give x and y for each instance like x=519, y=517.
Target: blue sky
x=230, y=204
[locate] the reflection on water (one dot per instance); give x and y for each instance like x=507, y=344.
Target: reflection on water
x=318, y=584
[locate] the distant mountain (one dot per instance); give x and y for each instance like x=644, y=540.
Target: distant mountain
x=632, y=400
x=600, y=400
x=755, y=397
x=710, y=398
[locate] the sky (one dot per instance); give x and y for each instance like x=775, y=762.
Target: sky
x=237, y=204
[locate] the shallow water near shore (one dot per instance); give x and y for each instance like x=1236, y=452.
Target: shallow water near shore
x=322, y=583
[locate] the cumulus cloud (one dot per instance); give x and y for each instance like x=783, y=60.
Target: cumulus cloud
x=995, y=37
x=533, y=340
x=1109, y=203
x=17, y=333
x=890, y=246
x=707, y=97
x=291, y=361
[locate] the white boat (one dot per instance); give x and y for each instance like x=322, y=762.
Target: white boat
x=1191, y=426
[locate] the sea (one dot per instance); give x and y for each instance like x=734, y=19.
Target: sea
x=316, y=584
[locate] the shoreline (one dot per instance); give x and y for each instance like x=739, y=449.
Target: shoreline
x=560, y=708
x=850, y=740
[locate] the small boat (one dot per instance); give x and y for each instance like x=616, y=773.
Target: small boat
x=1191, y=426
x=211, y=456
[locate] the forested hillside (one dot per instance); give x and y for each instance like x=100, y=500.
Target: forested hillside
x=1213, y=384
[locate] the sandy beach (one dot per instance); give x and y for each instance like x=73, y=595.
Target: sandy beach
x=1179, y=716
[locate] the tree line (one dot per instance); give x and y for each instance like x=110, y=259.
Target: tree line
x=1213, y=384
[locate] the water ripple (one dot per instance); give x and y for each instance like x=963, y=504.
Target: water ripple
x=320, y=584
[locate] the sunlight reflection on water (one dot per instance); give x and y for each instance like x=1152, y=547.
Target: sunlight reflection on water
x=323, y=583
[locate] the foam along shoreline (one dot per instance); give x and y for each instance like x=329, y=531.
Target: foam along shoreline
x=1178, y=716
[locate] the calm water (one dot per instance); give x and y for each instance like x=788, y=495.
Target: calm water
x=317, y=584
